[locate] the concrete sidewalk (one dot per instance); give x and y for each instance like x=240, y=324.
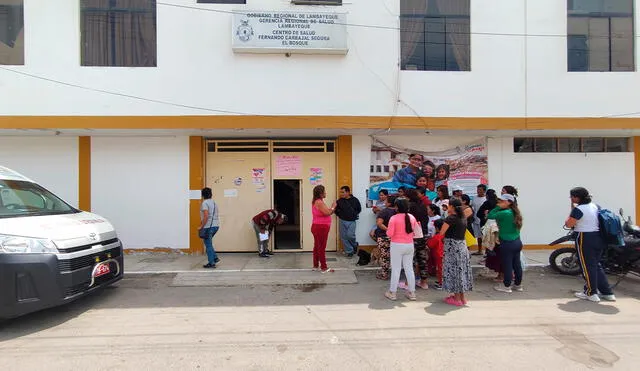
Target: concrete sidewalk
x=154, y=263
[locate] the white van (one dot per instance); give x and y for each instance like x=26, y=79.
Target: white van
x=50, y=252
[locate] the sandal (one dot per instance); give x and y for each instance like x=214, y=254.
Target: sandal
x=328, y=270
x=390, y=295
x=411, y=296
x=451, y=301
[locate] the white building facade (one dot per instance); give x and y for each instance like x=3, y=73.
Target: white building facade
x=123, y=120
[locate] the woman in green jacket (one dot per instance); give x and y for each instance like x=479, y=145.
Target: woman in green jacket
x=509, y=220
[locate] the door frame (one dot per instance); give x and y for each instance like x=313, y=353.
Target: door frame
x=304, y=145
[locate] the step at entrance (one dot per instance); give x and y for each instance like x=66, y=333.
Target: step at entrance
x=226, y=279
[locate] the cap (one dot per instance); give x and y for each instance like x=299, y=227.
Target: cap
x=457, y=188
x=507, y=197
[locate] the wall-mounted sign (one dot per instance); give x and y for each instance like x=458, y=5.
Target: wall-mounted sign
x=289, y=32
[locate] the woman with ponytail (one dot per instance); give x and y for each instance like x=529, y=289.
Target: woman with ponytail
x=457, y=274
x=509, y=220
x=401, y=233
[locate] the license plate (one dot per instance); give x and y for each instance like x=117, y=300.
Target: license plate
x=101, y=269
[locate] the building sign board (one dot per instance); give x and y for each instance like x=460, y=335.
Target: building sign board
x=289, y=32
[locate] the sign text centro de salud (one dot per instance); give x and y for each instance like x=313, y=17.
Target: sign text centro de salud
x=289, y=32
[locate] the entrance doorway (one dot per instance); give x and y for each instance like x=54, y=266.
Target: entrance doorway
x=286, y=199
x=248, y=176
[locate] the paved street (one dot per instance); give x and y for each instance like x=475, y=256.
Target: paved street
x=151, y=322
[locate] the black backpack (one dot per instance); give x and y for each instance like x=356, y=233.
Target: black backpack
x=364, y=258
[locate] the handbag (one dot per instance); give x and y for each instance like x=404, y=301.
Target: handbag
x=202, y=233
x=417, y=231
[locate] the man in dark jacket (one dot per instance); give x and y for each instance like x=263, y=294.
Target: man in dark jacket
x=348, y=209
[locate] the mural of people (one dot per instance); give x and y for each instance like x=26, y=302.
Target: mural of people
x=393, y=168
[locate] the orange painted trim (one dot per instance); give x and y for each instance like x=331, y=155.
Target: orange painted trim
x=636, y=155
x=196, y=182
x=306, y=122
x=84, y=173
x=163, y=250
x=344, y=161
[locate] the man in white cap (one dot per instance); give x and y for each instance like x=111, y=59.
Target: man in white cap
x=457, y=192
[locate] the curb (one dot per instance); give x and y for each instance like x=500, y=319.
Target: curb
x=358, y=269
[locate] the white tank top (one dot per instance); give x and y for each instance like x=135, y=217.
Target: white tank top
x=589, y=221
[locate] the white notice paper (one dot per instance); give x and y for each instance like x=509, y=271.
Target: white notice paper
x=231, y=192
x=264, y=236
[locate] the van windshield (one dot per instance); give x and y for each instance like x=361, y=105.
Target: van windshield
x=20, y=198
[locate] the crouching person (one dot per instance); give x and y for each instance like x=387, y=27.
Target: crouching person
x=263, y=225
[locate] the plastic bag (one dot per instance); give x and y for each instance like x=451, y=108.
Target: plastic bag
x=470, y=240
x=523, y=260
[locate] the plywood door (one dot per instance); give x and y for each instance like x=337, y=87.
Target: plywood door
x=308, y=160
x=229, y=175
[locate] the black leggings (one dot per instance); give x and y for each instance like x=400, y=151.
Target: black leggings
x=590, y=246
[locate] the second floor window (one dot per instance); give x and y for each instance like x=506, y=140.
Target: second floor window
x=11, y=32
x=118, y=33
x=435, y=35
x=600, y=35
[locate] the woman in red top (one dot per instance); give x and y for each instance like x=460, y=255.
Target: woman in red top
x=320, y=228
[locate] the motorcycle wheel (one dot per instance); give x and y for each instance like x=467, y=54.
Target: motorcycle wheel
x=565, y=261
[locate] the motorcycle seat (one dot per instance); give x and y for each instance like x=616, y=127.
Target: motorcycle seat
x=633, y=230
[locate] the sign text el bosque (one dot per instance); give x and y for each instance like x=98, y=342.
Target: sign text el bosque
x=289, y=32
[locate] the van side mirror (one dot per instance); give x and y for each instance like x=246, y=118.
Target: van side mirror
x=621, y=212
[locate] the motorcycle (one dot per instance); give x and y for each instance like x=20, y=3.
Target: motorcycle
x=616, y=260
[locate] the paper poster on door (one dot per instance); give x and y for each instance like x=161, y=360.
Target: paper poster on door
x=316, y=175
x=257, y=176
x=288, y=166
x=231, y=192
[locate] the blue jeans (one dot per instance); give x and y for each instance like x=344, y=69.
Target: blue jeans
x=208, y=244
x=511, y=263
x=348, y=236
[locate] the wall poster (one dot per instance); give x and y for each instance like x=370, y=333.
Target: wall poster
x=287, y=165
x=465, y=166
x=315, y=176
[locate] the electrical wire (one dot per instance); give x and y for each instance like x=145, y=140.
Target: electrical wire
x=395, y=92
x=380, y=27
x=239, y=113
x=162, y=102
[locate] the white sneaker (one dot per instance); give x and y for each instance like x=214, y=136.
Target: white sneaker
x=503, y=288
x=608, y=297
x=517, y=288
x=594, y=298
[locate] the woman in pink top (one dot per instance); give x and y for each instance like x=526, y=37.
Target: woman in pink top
x=400, y=232
x=320, y=228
